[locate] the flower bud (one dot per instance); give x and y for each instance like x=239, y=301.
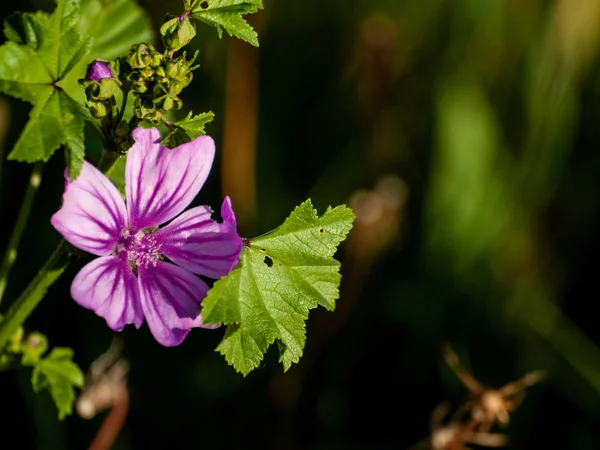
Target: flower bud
x=122, y=129
x=175, y=87
x=98, y=70
x=15, y=341
x=178, y=69
x=167, y=103
x=34, y=347
x=98, y=109
x=142, y=56
x=177, y=32
x=104, y=90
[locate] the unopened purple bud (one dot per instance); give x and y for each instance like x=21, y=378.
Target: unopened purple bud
x=98, y=70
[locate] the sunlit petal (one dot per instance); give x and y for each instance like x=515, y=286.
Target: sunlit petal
x=92, y=214
x=170, y=298
x=160, y=182
x=201, y=245
x=108, y=287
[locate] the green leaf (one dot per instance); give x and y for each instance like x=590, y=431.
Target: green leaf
x=281, y=276
x=115, y=26
x=27, y=28
x=42, y=51
x=194, y=126
x=187, y=129
x=60, y=375
x=227, y=14
x=23, y=74
x=58, y=41
x=117, y=175
x=54, y=121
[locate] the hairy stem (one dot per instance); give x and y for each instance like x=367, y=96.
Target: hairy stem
x=10, y=255
x=33, y=294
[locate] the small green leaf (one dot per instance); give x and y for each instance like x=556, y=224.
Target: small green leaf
x=194, y=126
x=60, y=375
x=227, y=14
x=187, y=129
x=281, y=276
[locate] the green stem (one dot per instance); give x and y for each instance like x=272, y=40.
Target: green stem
x=35, y=291
x=123, y=106
x=98, y=134
x=109, y=158
x=10, y=255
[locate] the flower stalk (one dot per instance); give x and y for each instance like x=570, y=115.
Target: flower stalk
x=10, y=254
x=33, y=294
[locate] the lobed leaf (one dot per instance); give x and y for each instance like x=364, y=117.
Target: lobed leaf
x=281, y=276
x=60, y=375
x=194, y=126
x=55, y=120
x=227, y=15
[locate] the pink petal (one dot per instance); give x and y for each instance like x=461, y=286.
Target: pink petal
x=108, y=287
x=161, y=183
x=171, y=299
x=229, y=223
x=92, y=214
x=201, y=245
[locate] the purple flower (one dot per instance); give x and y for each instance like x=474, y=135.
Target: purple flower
x=98, y=70
x=131, y=280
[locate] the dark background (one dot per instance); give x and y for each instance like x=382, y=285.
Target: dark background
x=465, y=136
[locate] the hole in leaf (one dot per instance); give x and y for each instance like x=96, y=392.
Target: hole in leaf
x=321, y=230
x=268, y=261
x=204, y=5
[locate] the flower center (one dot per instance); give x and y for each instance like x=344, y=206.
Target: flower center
x=142, y=248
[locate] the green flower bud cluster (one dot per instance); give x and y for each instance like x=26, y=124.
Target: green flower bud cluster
x=156, y=81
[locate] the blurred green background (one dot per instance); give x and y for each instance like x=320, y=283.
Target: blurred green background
x=464, y=134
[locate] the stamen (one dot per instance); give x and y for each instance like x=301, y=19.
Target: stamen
x=143, y=250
